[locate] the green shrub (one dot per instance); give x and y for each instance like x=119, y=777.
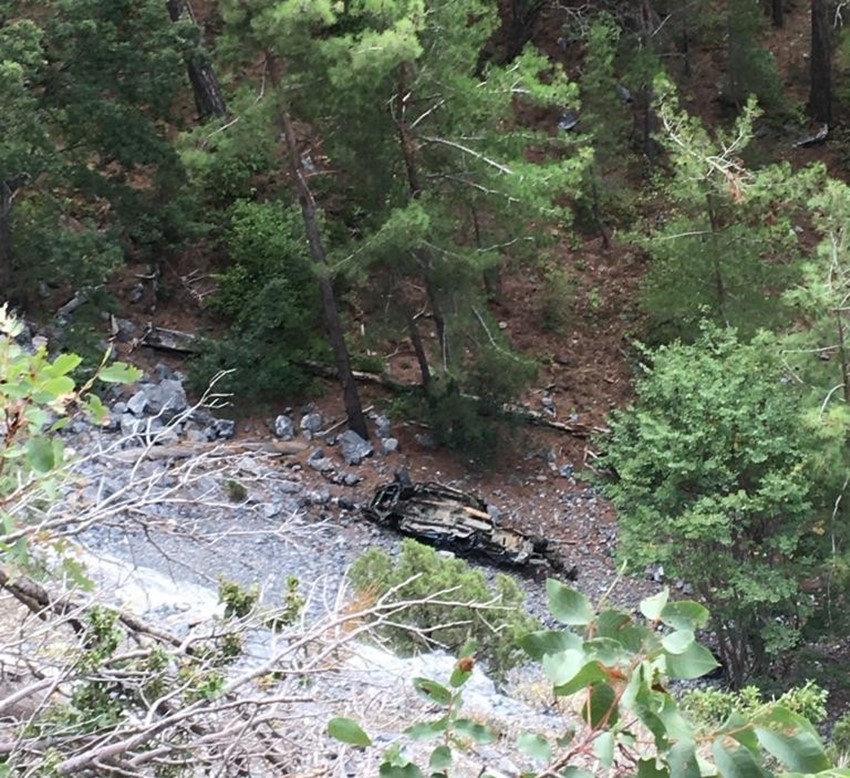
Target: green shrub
x=841, y=734
x=270, y=295
x=711, y=476
x=421, y=572
x=711, y=707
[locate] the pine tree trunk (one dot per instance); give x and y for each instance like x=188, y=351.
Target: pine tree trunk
x=820, y=95
x=777, y=13
x=333, y=323
x=408, y=151
x=7, y=277
x=209, y=99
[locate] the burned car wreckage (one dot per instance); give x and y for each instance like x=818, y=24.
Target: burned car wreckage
x=451, y=519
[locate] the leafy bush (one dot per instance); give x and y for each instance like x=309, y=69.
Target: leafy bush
x=617, y=668
x=270, y=294
x=421, y=572
x=710, y=476
x=711, y=707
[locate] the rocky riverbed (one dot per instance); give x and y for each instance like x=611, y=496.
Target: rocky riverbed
x=181, y=501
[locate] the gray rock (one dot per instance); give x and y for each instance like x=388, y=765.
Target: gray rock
x=567, y=470
x=382, y=426
x=284, y=427
x=223, y=429
x=351, y=479
x=389, y=445
x=312, y=423
x=354, y=448
x=138, y=430
x=138, y=403
x=194, y=435
x=167, y=398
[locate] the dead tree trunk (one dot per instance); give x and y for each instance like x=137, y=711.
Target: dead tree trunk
x=820, y=93
x=333, y=323
x=209, y=99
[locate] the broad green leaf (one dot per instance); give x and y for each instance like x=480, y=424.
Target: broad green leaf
x=432, y=691
x=740, y=728
x=427, y=729
x=96, y=408
x=55, y=388
x=694, y=662
x=591, y=673
x=678, y=642
x=348, y=731
x=534, y=745
x=562, y=667
x=652, y=607
x=648, y=768
x=567, y=605
x=63, y=364
x=605, y=650
x=473, y=730
x=119, y=373
x=601, y=709
x=682, y=759
x=538, y=644
x=684, y=614
x=408, y=770
x=603, y=747
x=793, y=741
x=441, y=758
x=620, y=626
x=736, y=762
x=41, y=454
x=677, y=727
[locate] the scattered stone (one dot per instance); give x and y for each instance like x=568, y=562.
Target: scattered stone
x=351, y=479
x=138, y=403
x=382, y=426
x=389, y=445
x=167, y=398
x=354, y=448
x=567, y=470
x=223, y=429
x=284, y=427
x=312, y=423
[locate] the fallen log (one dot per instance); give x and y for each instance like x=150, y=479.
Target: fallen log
x=511, y=410
x=186, y=450
x=169, y=340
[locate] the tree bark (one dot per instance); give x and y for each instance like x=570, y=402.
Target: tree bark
x=7, y=276
x=333, y=323
x=777, y=13
x=209, y=99
x=820, y=94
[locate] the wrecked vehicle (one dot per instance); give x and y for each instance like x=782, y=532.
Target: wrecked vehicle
x=449, y=518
